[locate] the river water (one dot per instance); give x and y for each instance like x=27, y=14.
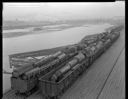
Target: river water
x=40, y=41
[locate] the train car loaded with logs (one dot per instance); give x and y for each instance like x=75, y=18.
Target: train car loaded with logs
x=53, y=74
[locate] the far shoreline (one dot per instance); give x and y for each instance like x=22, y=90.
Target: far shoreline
x=47, y=30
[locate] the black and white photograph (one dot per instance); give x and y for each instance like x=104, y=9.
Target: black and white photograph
x=63, y=50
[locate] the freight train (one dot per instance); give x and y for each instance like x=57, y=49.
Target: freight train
x=55, y=83
x=55, y=73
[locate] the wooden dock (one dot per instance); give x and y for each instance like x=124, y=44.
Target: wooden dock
x=105, y=79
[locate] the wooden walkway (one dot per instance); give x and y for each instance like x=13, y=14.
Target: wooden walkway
x=105, y=79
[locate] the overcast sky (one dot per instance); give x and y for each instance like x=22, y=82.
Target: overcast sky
x=55, y=11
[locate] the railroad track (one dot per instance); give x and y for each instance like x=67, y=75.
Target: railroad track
x=12, y=94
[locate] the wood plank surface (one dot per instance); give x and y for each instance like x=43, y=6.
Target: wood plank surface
x=115, y=86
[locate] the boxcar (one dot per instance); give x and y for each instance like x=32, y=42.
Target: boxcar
x=50, y=89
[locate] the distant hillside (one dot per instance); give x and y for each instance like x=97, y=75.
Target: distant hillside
x=23, y=24
x=16, y=24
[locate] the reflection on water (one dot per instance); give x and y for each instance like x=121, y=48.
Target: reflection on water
x=28, y=43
